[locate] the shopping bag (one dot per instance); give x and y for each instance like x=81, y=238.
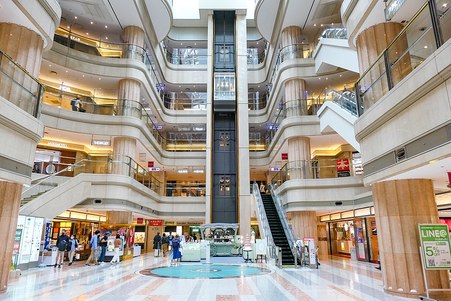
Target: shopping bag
x=157, y=252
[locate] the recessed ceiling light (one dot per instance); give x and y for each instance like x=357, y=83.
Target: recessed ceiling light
x=67, y=71
x=87, y=33
x=83, y=75
x=341, y=75
x=327, y=78
x=76, y=17
x=100, y=78
x=68, y=26
x=425, y=47
x=322, y=25
x=314, y=24
x=180, y=86
x=92, y=22
x=319, y=77
x=106, y=26
x=50, y=65
x=106, y=38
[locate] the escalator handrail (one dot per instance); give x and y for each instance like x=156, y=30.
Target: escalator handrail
x=266, y=230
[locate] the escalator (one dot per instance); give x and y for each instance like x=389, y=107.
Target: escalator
x=277, y=231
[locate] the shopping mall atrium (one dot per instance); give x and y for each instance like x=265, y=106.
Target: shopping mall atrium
x=267, y=134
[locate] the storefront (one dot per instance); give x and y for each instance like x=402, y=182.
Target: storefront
x=353, y=234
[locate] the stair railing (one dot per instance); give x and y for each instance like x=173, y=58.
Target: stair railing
x=45, y=179
x=265, y=230
x=284, y=220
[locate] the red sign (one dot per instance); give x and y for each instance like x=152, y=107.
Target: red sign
x=140, y=221
x=150, y=164
x=342, y=164
x=284, y=156
x=155, y=222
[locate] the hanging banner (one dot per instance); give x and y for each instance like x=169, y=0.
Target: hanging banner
x=434, y=239
x=343, y=169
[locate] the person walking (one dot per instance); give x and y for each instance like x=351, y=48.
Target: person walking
x=164, y=244
x=157, y=244
x=117, y=245
x=71, y=248
x=61, y=243
x=176, y=255
x=75, y=104
x=93, y=245
x=103, y=245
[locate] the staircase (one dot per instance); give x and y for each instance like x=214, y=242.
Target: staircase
x=278, y=234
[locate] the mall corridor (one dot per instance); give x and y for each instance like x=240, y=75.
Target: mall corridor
x=336, y=279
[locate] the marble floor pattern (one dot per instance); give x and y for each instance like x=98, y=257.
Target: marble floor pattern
x=337, y=279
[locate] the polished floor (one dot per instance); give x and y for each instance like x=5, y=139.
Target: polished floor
x=336, y=279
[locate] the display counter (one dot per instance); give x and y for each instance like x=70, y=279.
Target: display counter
x=191, y=252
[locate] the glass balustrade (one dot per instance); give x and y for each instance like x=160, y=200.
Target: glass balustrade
x=18, y=86
x=49, y=175
x=414, y=44
x=317, y=169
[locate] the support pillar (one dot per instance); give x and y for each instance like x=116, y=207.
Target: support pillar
x=299, y=156
x=133, y=37
x=25, y=47
x=129, y=94
x=124, y=148
x=295, y=100
x=370, y=44
x=400, y=206
x=304, y=224
x=10, y=194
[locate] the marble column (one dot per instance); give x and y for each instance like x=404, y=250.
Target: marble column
x=25, y=47
x=370, y=44
x=133, y=37
x=129, y=93
x=295, y=100
x=299, y=158
x=400, y=206
x=304, y=224
x=292, y=40
x=124, y=149
x=10, y=195
x=118, y=217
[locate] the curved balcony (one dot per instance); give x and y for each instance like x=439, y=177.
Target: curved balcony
x=113, y=107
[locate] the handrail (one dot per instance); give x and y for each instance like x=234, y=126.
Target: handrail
x=392, y=42
x=266, y=230
x=284, y=220
x=68, y=168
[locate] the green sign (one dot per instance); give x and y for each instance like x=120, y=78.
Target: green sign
x=435, y=246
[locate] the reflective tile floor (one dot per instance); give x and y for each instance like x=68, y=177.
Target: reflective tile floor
x=337, y=279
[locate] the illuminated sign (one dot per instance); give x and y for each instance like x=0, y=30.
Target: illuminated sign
x=274, y=169
x=101, y=142
x=57, y=144
x=154, y=169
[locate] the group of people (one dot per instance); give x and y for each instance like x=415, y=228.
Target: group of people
x=98, y=246
x=169, y=243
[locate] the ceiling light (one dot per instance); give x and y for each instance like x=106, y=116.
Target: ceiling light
x=67, y=71
x=106, y=26
x=314, y=24
x=50, y=65
x=106, y=38
x=68, y=26
x=445, y=5
x=425, y=47
x=327, y=78
x=92, y=22
x=341, y=75
x=322, y=25
x=87, y=33
x=83, y=75
x=76, y=17
x=100, y=78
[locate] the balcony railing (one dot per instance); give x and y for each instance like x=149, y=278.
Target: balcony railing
x=185, y=101
x=423, y=35
x=257, y=101
x=18, y=86
x=123, y=165
x=187, y=56
x=107, y=49
x=317, y=169
x=182, y=142
x=345, y=99
x=335, y=33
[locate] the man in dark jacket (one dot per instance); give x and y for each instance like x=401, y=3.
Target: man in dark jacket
x=61, y=243
x=157, y=244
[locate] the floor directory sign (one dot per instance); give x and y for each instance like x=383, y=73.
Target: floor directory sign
x=435, y=246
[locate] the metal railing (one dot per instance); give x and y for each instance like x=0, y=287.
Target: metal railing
x=257, y=100
x=391, y=8
x=107, y=49
x=406, y=52
x=345, y=99
x=264, y=224
x=119, y=164
x=187, y=56
x=18, y=86
x=317, y=169
x=335, y=33
x=185, y=101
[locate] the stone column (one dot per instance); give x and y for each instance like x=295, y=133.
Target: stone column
x=304, y=224
x=129, y=93
x=10, y=195
x=400, y=206
x=299, y=158
x=133, y=37
x=292, y=39
x=124, y=148
x=295, y=100
x=370, y=44
x=25, y=47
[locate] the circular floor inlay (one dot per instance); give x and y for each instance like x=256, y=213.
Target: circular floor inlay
x=213, y=271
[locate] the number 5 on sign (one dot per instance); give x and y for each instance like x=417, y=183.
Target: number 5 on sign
x=435, y=246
